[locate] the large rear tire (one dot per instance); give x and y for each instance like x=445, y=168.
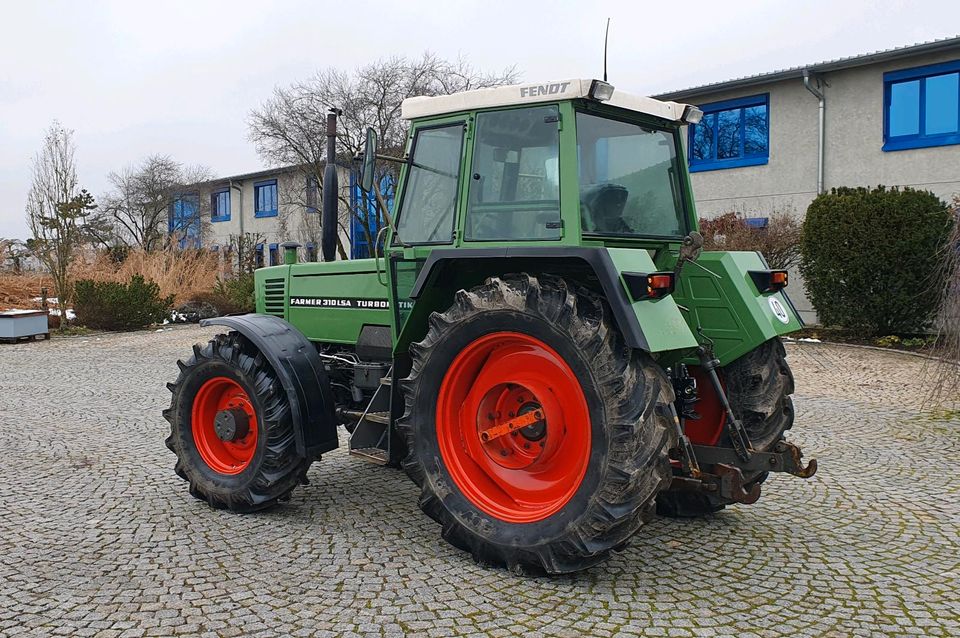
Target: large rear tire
x=559, y=493
x=758, y=386
x=231, y=427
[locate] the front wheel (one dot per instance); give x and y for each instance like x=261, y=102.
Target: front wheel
x=231, y=427
x=539, y=440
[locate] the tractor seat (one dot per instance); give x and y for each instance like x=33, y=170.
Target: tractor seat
x=601, y=208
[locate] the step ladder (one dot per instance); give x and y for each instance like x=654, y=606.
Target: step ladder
x=370, y=439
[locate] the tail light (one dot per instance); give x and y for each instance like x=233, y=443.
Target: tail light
x=654, y=285
x=769, y=280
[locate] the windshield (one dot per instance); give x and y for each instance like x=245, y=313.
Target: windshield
x=629, y=179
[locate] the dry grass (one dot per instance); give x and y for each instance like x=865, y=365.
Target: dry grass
x=18, y=291
x=182, y=274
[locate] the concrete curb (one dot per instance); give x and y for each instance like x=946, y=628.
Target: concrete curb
x=866, y=347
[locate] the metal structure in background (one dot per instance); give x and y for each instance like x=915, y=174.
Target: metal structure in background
x=365, y=215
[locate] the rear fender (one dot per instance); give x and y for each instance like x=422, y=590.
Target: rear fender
x=650, y=325
x=725, y=302
x=301, y=374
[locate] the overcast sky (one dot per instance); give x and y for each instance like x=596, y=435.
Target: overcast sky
x=135, y=78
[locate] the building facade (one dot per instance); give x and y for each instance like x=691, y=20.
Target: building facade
x=260, y=210
x=769, y=143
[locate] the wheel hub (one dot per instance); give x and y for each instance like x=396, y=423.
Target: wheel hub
x=513, y=427
x=224, y=425
x=231, y=424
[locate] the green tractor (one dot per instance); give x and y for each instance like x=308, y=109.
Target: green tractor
x=541, y=344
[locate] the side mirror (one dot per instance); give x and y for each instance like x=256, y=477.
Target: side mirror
x=369, y=161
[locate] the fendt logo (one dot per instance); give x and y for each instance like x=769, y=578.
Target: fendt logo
x=543, y=89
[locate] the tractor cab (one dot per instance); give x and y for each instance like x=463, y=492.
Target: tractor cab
x=564, y=163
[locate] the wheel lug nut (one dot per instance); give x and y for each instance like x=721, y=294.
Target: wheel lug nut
x=503, y=452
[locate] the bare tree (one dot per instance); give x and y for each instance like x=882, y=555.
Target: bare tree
x=154, y=204
x=945, y=372
x=14, y=251
x=289, y=128
x=57, y=209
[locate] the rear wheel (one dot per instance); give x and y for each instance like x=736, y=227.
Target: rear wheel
x=231, y=428
x=758, y=386
x=538, y=438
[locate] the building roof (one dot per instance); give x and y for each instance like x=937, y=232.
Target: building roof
x=422, y=106
x=838, y=64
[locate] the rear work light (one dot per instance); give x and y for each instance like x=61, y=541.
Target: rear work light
x=654, y=285
x=769, y=280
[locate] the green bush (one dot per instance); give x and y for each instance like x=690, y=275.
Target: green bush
x=235, y=295
x=109, y=305
x=869, y=258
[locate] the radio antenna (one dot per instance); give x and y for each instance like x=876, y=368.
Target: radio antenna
x=606, y=37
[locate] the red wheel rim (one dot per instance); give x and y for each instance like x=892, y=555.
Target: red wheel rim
x=519, y=475
x=217, y=395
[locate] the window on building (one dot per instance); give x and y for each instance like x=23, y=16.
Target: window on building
x=311, y=251
x=265, y=198
x=184, y=220
x=274, y=255
x=732, y=133
x=922, y=107
x=313, y=189
x=427, y=209
x=220, y=205
x=515, y=190
x=258, y=256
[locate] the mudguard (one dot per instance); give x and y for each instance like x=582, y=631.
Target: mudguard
x=651, y=325
x=301, y=374
x=723, y=300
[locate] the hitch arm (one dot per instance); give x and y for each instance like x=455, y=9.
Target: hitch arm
x=738, y=434
x=786, y=457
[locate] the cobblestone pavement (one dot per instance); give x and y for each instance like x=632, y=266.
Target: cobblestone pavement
x=98, y=537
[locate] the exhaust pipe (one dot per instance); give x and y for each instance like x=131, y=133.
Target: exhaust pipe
x=329, y=207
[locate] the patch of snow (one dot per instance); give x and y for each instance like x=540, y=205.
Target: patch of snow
x=17, y=311
x=159, y=330
x=809, y=340
x=71, y=315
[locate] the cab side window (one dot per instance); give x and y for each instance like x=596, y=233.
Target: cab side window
x=515, y=183
x=429, y=203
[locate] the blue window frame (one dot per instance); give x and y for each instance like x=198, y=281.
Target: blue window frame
x=732, y=133
x=311, y=251
x=265, y=198
x=921, y=107
x=220, y=205
x=274, y=255
x=367, y=216
x=183, y=220
x=258, y=256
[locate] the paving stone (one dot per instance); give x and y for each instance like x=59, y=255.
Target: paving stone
x=99, y=537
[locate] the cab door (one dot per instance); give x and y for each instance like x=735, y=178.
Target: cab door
x=427, y=210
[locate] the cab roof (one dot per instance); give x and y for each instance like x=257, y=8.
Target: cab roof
x=517, y=94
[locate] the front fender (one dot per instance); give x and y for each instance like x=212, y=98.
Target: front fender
x=301, y=374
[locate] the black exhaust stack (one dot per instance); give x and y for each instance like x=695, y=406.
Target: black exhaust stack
x=328, y=214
